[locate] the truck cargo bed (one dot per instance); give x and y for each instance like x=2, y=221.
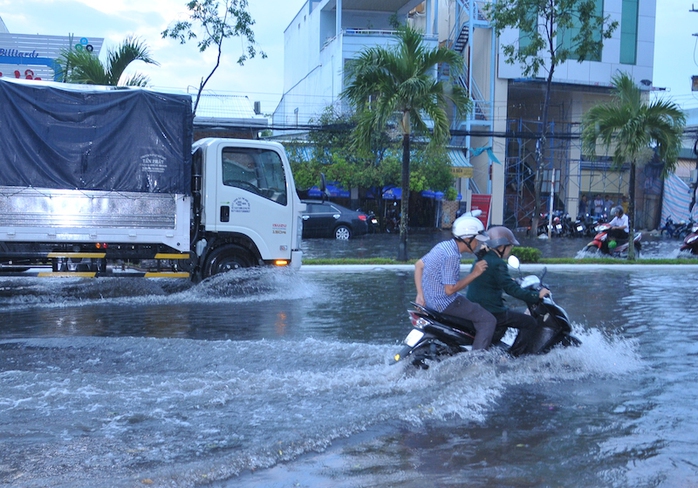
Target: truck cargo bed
x=60, y=216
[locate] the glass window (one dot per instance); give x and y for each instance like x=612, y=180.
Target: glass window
x=525, y=37
x=257, y=171
x=565, y=37
x=628, y=32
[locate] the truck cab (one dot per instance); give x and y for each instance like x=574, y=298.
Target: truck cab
x=246, y=209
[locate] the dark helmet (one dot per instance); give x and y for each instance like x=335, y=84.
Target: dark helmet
x=617, y=211
x=501, y=236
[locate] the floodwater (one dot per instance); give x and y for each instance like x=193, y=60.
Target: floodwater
x=418, y=243
x=276, y=378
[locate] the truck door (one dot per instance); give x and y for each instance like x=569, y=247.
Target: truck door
x=253, y=199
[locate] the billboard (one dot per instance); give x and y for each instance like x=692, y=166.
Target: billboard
x=33, y=57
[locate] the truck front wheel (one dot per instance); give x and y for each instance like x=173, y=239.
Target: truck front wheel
x=227, y=258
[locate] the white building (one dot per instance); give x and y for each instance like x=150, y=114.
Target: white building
x=324, y=35
x=500, y=133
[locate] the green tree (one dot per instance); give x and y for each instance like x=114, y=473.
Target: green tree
x=211, y=22
x=327, y=150
x=550, y=33
x=628, y=125
x=85, y=67
x=400, y=82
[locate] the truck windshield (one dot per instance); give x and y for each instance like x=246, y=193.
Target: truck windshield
x=257, y=171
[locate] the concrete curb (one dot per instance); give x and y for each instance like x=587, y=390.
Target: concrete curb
x=365, y=268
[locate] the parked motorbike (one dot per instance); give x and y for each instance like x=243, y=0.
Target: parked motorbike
x=690, y=242
x=669, y=228
x=435, y=336
x=610, y=246
x=577, y=228
x=372, y=221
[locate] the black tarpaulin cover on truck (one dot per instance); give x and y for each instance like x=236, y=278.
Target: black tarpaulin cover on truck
x=62, y=136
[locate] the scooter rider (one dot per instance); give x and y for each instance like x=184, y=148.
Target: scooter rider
x=487, y=288
x=436, y=277
x=619, y=225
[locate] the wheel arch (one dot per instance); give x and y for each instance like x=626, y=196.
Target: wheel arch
x=235, y=243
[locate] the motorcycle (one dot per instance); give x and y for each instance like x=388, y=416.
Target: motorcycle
x=371, y=220
x=435, y=336
x=612, y=247
x=690, y=242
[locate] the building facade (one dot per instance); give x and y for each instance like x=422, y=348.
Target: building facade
x=499, y=136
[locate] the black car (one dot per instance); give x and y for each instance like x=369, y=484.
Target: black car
x=327, y=219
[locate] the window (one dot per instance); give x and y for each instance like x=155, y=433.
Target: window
x=628, y=32
x=257, y=171
x=525, y=37
x=565, y=37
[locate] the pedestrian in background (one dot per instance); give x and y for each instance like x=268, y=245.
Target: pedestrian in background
x=608, y=206
x=598, y=206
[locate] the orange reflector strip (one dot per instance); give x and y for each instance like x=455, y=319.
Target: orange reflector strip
x=166, y=275
x=162, y=255
x=281, y=262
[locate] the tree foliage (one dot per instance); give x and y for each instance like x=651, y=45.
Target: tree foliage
x=543, y=26
x=550, y=33
x=328, y=150
x=85, y=67
x=397, y=85
x=210, y=23
x=628, y=125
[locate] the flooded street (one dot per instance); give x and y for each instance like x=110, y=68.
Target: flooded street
x=418, y=243
x=275, y=378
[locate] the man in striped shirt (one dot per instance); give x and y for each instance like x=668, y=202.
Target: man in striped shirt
x=437, y=279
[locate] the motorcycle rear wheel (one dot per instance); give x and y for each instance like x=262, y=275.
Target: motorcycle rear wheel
x=430, y=351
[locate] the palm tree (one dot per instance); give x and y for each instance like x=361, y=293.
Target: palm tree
x=85, y=67
x=630, y=125
x=400, y=82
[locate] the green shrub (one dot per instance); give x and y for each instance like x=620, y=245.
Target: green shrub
x=451, y=194
x=527, y=254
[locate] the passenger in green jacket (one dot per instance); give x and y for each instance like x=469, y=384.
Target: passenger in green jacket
x=487, y=288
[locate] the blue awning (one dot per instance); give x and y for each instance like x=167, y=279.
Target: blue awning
x=458, y=159
x=392, y=193
x=332, y=190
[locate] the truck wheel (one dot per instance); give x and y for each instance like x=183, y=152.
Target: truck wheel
x=227, y=258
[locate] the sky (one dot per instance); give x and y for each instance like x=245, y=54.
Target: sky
x=182, y=66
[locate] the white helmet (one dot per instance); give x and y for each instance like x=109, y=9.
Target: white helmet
x=468, y=226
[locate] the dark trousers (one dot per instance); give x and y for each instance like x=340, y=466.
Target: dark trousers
x=618, y=234
x=483, y=321
x=524, y=322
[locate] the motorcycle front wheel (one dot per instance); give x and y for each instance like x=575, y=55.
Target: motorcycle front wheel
x=591, y=249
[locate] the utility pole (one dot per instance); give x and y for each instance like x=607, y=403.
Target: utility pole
x=694, y=173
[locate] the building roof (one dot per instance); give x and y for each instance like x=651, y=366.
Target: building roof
x=228, y=110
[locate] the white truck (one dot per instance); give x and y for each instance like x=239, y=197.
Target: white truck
x=108, y=182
